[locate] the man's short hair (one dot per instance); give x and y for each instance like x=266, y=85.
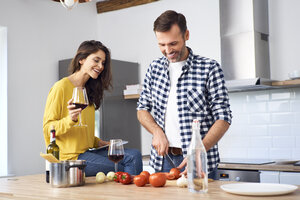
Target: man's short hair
x=167, y=19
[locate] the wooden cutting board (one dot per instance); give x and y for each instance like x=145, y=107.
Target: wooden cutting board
x=172, y=183
x=287, y=82
x=49, y=157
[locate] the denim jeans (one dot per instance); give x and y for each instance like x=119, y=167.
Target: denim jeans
x=97, y=161
x=177, y=160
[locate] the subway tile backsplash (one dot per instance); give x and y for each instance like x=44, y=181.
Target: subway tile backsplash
x=265, y=125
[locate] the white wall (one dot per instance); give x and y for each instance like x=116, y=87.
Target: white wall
x=284, y=38
x=266, y=125
x=3, y=101
x=129, y=34
x=40, y=32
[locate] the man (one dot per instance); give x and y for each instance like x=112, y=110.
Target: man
x=180, y=87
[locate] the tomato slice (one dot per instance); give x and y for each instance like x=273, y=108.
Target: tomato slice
x=175, y=172
x=170, y=176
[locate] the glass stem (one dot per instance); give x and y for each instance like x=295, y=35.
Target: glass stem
x=80, y=119
x=116, y=167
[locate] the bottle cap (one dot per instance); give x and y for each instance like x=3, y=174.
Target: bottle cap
x=52, y=133
x=196, y=124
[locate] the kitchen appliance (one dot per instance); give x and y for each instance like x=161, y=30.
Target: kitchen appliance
x=244, y=30
x=297, y=163
x=238, y=175
x=246, y=161
x=67, y=173
x=241, y=175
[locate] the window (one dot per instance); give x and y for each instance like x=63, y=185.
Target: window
x=3, y=101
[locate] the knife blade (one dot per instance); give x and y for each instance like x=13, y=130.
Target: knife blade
x=170, y=161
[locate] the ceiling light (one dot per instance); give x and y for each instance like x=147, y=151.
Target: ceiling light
x=69, y=4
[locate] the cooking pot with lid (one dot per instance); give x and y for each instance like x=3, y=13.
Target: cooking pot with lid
x=76, y=172
x=67, y=173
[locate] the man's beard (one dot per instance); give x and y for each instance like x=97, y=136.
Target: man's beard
x=180, y=54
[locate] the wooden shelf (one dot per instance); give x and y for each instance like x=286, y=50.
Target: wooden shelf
x=111, y=5
x=132, y=96
x=274, y=85
x=265, y=167
x=294, y=82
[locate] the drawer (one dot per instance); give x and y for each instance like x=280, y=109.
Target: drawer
x=269, y=176
x=290, y=178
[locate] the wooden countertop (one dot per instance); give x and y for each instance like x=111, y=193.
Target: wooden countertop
x=265, y=167
x=35, y=187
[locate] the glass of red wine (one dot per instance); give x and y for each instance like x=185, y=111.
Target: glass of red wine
x=80, y=100
x=116, y=151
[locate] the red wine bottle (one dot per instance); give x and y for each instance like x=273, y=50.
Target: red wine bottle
x=53, y=149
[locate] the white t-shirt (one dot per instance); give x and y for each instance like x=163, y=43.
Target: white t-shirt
x=172, y=129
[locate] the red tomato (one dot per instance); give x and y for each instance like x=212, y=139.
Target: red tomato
x=140, y=180
x=175, y=172
x=125, y=178
x=146, y=174
x=158, y=179
x=117, y=176
x=170, y=176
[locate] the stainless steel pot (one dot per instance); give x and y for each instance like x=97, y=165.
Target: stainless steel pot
x=67, y=173
x=76, y=172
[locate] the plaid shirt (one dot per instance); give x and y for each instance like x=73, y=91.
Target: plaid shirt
x=201, y=94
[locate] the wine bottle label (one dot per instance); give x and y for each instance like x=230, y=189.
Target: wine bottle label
x=52, y=135
x=47, y=165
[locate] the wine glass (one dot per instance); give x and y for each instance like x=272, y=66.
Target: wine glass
x=116, y=151
x=80, y=100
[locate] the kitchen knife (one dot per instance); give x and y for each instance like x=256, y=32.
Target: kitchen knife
x=170, y=161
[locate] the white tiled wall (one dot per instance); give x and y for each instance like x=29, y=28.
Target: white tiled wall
x=265, y=125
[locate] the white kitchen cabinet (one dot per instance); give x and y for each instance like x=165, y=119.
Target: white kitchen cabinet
x=289, y=178
x=280, y=177
x=269, y=176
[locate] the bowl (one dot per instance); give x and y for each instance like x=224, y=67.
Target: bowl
x=294, y=74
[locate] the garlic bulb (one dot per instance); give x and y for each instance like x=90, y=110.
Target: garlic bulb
x=182, y=181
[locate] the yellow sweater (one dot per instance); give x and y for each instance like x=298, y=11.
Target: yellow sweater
x=71, y=140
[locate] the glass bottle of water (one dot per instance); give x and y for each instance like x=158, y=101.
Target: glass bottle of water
x=197, y=162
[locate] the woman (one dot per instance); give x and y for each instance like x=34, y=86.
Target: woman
x=90, y=69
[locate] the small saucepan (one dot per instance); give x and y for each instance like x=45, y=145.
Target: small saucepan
x=67, y=173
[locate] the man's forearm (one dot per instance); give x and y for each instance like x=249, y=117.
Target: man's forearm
x=215, y=133
x=159, y=140
x=147, y=121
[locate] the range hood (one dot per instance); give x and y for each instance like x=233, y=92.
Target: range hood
x=244, y=31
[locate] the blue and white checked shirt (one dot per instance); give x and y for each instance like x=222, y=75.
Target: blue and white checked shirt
x=201, y=94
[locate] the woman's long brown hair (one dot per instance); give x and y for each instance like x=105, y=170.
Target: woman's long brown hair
x=95, y=87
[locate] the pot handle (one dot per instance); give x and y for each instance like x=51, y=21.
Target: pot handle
x=73, y=166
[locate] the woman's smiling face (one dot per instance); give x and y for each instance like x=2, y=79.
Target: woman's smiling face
x=93, y=65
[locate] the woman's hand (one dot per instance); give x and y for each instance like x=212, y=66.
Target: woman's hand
x=102, y=143
x=73, y=111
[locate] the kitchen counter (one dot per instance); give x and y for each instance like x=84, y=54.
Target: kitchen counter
x=35, y=187
x=266, y=167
